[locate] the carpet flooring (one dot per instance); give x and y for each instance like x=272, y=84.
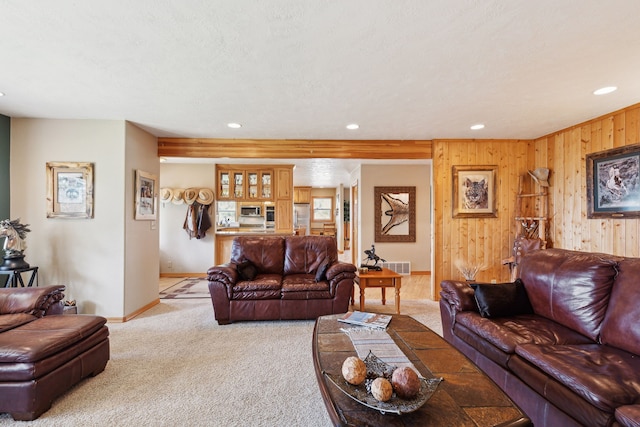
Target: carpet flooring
x=173, y=365
x=187, y=288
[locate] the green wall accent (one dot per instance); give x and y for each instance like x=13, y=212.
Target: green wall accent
x=5, y=125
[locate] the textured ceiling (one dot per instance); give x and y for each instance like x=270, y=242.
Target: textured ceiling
x=291, y=69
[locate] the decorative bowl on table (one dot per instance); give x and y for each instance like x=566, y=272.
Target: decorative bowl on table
x=396, y=405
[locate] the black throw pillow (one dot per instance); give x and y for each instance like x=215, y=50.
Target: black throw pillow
x=247, y=270
x=321, y=274
x=502, y=299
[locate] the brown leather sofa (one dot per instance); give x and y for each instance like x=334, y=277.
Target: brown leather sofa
x=44, y=353
x=280, y=277
x=573, y=356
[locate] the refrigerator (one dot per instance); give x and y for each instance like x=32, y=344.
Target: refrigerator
x=302, y=218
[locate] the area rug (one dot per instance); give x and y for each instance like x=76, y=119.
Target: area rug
x=187, y=288
x=173, y=365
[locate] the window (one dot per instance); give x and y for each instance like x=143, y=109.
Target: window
x=226, y=212
x=322, y=209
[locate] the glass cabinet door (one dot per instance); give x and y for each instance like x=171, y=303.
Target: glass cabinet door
x=224, y=188
x=266, y=185
x=238, y=185
x=252, y=178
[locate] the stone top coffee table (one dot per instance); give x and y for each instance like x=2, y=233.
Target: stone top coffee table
x=466, y=397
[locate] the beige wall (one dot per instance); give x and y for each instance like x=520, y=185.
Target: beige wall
x=108, y=263
x=85, y=255
x=418, y=252
x=176, y=250
x=141, y=237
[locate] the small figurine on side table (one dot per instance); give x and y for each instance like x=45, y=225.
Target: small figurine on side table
x=371, y=256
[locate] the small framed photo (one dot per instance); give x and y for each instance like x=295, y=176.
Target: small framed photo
x=146, y=206
x=474, y=191
x=613, y=183
x=69, y=190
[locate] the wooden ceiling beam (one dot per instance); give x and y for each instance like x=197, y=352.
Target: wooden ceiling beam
x=294, y=149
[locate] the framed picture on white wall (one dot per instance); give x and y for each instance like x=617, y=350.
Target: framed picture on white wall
x=146, y=196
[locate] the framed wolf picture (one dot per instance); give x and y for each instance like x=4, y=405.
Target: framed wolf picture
x=613, y=183
x=474, y=191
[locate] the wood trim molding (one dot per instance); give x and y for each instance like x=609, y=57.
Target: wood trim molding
x=294, y=149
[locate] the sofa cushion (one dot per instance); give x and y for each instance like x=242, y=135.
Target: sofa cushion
x=569, y=287
x=265, y=252
x=605, y=376
x=247, y=270
x=46, y=336
x=507, y=333
x=620, y=326
x=628, y=416
x=264, y=286
x=305, y=254
x=504, y=299
x=304, y=286
x=10, y=321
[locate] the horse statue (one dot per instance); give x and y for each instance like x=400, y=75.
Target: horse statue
x=371, y=256
x=15, y=234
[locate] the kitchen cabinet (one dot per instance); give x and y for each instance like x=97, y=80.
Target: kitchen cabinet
x=301, y=194
x=243, y=183
x=284, y=178
x=260, y=183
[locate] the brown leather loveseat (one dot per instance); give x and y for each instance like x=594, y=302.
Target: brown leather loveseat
x=563, y=342
x=280, y=277
x=44, y=353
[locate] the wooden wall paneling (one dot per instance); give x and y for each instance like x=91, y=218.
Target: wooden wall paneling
x=577, y=188
x=595, y=226
x=619, y=225
x=486, y=240
x=632, y=136
x=570, y=228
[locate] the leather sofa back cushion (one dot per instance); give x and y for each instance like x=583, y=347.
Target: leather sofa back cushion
x=569, y=287
x=265, y=253
x=620, y=327
x=305, y=254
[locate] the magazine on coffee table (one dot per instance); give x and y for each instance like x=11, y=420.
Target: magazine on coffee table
x=361, y=318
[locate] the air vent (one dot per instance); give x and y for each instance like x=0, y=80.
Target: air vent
x=400, y=267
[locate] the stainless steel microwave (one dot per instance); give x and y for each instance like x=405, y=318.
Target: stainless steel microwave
x=250, y=211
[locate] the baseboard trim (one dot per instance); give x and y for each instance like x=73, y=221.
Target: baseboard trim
x=183, y=274
x=134, y=314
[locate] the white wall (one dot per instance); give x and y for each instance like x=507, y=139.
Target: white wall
x=85, y=255
x=419, y=253
x=176, y=249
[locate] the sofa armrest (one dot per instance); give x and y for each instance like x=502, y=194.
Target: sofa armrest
x=37, y=301
x=459, y=295
x=224, y=273
x=340, y=267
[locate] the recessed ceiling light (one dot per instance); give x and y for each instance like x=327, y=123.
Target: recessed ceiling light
x=353, y=126
x=1, y=93
x=605, y=90
x=477, y=127
x=234, y=125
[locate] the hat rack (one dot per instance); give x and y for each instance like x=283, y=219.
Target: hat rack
x=188, y=196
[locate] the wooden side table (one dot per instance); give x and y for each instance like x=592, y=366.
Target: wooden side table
x=382, y=279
